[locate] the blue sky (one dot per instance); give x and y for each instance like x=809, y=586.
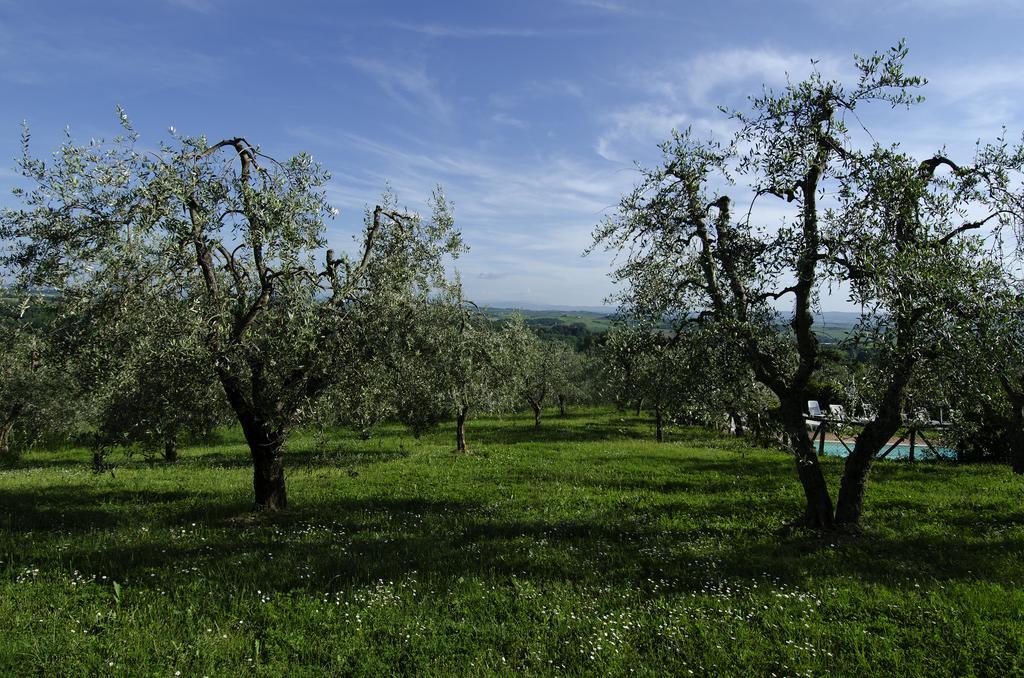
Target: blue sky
x=530, y=114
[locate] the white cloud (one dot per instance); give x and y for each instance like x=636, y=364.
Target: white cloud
x=948, y=6
x=608, y=6
x=964, y=82
x=706, y=77
x=478, y=32
x=527, y=219
x=647, y=123
x=410, y=86
x=687, y=93
x=506, y=119
x=200, y=6
x=528, y=94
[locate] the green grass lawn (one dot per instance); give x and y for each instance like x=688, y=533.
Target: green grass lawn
x=584, y=548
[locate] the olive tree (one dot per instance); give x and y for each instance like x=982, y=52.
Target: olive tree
x=536, y=370
x=619, y=358
x=985, y=377
x=648, y=368
x=570, y=381
x=457, y=362
x=684, y=375
x=689, y=254
x=21, y=355
x=239, y=238
x=904, y=238
x=37, y=394
x=140, y=377
x=160, y=393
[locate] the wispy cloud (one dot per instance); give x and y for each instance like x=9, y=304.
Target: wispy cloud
x=686, y=93
x=506, y=119
x=53, y=62
x=964, y=82
x=948, y=6
x=607, y=6
x=525, y=218
x=712, y=73
x=546, y=189
x=644, y=123
x=530, y=92
x=410, y=86
x=199, y=6
x=477, y=32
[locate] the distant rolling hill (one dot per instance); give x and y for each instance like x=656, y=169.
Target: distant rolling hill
x=831, y=326
x=595, y=321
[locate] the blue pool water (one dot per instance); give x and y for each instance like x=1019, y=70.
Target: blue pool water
x=921, y=451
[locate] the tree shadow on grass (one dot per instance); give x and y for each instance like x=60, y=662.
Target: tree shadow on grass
x=343, y=542
x=76, y=510
x=519, y=433
x=298, y=461
x=33, y=460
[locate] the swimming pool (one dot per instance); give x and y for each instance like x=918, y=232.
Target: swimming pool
x=834, y=448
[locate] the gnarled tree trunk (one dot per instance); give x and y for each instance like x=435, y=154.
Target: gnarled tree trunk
x=1016, y=437
x=737, y=422
x=460, y=430
x=561, y=405
x=5, y=438
x=659, y=424
x=535, y=406
x=878, y=431
x=7, y=429
x=171, y=450
x=267, y=448
x=818, y=512
x=875, y=436
x=850, y=502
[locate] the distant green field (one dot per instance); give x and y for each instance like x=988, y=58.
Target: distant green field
x=829, y=331
x=595, y=322
x=585, y=548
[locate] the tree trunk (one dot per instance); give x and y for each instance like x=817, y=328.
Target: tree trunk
x=171, y=450
x=818, y=514
x=875, y=436
x=561, y=405
x=535, y=406
x=639, y=406
x=1017, y=438
x=6, y=427
x=266, y=445
x=737, y=423
x=267, y=450
x=659, y=425
x=460, y=430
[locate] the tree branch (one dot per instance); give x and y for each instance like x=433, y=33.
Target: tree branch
x=970, y=226
x=927, y=168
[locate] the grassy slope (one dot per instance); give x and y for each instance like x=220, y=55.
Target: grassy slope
x=586, y=548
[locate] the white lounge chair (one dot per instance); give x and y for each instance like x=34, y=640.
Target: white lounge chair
x=838, y=413
x=922, y=418
x=813, y=410
x=868, y=413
